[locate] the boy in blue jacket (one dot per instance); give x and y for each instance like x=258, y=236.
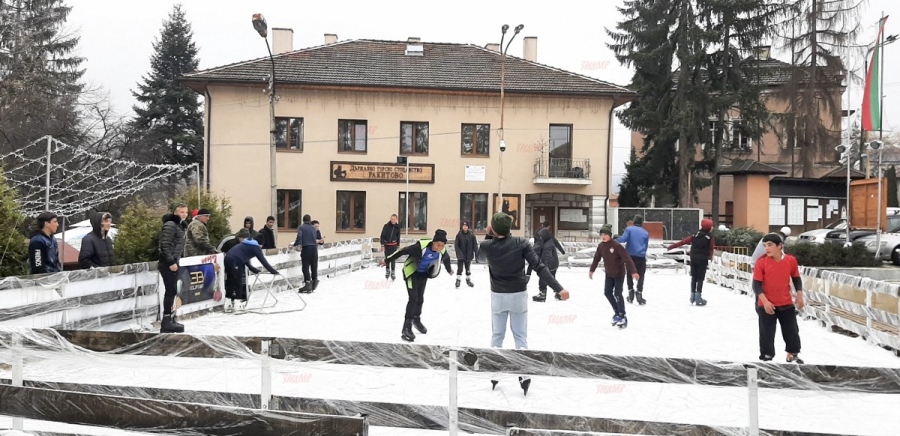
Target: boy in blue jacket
x=636, y=240
x=236, y=259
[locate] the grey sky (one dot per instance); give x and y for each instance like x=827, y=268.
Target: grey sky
x=117, y=36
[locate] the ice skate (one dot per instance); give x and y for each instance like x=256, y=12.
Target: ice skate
x=540, y=297
x=240, y=306
x=229, y=306
x=169, y=325
x=387, y=273
x=630, y=297
x=557, y=296
x=407, y=333
x=640, y=298
x=315, y=284
x=306, y=289
x=417, y=323
x=793, y=358
x=393, y=275
x=525, y=383
x=616, y=320
x=623, y=322
x=458, y=281
x=697, y=299
x=469, y=281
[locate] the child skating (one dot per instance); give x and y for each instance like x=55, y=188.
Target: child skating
x=616, y=262
x=702, y=250
x=772, y=278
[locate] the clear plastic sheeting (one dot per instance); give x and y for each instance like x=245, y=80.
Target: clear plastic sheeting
x=180, y=377
x=867, y=307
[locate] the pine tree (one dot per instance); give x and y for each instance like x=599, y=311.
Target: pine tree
x=632, y=189
x=170, y=117
x=39, y=74
x=138, y=236
x=13, y=246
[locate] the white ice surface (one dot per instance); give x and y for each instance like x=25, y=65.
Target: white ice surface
x=363, y=306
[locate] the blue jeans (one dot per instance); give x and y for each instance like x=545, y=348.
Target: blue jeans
x=515, y=307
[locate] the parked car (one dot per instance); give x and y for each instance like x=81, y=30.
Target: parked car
x=890, y=246
x=817, y=236
x=840, y=236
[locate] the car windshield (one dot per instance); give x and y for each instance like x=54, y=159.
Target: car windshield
x=837, y=225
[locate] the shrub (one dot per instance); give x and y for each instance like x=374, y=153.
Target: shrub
x=13, y=245
x=220, y=212
x=746, y=237
x=830, y=254
x=138, y=236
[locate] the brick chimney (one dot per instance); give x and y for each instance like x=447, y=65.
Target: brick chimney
x=530, y=48
x=414, y=46
x=492, y=46
x=282, y=40
x=330, y=38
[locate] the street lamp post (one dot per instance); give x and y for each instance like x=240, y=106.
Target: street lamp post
x=261, y=27
x=878, y=145
x=503, y=51
x=846, y=151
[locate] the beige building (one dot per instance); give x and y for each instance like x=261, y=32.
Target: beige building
x=346, y=111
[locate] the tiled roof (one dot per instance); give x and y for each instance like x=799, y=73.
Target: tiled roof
x=385, y=64
x=841, y=173
x=771, y=72
x=749, y=167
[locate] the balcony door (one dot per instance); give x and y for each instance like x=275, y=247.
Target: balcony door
x=560, y=161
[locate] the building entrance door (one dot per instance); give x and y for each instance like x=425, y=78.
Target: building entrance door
x=541, y=215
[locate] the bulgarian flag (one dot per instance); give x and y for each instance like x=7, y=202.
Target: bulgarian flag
x=871, y=106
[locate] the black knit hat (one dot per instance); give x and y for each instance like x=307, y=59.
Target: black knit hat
x=440, y=236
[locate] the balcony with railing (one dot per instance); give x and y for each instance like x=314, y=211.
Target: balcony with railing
x=562, y=171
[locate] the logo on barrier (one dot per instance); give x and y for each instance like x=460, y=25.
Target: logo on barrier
x=198, y=283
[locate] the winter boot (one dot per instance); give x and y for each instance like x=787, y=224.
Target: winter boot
x=469, y=281
x=525, y=383
x=640, y=298
x=698, y=300
x=540, y=297
x=417, y=323
x=168, y=325
x=407, y=334
x=458, y=281
x=630, y=296
x=623, y=322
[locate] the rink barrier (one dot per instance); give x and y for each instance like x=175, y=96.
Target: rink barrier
x=504, y=361
x=860, y=305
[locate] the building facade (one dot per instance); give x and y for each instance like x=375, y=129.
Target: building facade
x=348, y=111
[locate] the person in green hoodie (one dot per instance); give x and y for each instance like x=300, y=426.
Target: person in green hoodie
x=423, y=260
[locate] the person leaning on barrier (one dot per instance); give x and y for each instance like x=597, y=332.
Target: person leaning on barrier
x=197, y=236
x=237, y=262
x=43, y=251
x=171, y=248
x=96, y=247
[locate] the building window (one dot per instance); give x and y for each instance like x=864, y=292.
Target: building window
x=352, y=136
x=474, y=209
x=289, y=207
x=413, y=138
x=561, y=141
x=351, y=211
x=714, y=128
x=417, y=204
x=739, y=138
x=289, y=134
x=476, y=139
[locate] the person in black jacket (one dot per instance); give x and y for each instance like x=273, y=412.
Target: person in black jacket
x=545, y=246
x=268, y=234
x=237, y=262
x=703, y=246
x=43, y=251
x=390, y=242
x=507, y=256
x=309, y=254
x=466, y=246
x=422, y=263
x=171, y=247
x=97, y=247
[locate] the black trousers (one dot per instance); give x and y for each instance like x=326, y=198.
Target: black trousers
x=698, y=273
x=542, y=285
x=640, y=263
x=389, y=250
x=170, y=282
x=613, y=293
x=235, y=279
x=790, y=331
x=460, y=264
x=309, y=259
x=416, y=295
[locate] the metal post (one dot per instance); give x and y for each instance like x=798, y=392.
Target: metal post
x=752, y=388
x=849, y=150
x=198, y=185
x=18, y=378
x=880, y=211
x=454, y=411
x=273, y=180
x=49, y=152
x=266, y=391
x=406, y=218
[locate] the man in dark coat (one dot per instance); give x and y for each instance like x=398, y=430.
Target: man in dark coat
x=237, y=262
x=309, y=254
x=466, y=246
x=171, y=248
x=96, y=246
x=43, y=251
x=268, y=234
x=545, y=246
x=390, y=242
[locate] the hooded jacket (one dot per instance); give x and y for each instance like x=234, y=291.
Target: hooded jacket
x=96, y=246
x=465, y=245
x=171, y=240
x=197, y=239
x=506, y=259
x=545, y=246
x=43, y=254
x=253, y=233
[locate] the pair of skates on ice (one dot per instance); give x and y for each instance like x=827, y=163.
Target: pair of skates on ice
x=471, y=360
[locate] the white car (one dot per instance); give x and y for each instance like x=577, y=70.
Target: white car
x=818, y=236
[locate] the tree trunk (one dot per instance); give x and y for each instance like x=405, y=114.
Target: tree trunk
x=809, y=150
x=717, y=152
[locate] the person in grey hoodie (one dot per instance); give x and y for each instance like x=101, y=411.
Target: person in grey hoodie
x=96, y=248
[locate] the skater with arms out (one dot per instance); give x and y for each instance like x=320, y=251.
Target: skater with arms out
x=616, y=262
x=702, y=250
x=772, y=278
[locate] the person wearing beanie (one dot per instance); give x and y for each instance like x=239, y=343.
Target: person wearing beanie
x=616, y=263
x=760, y=250
x=772, y=278
x=43, y=251
x=702, y=250
x=237, y=262
x=97, y=247
x=423, y=260
x=545, y=246
x=636, y=240
x=466, y=247
x=506, y=258
x=197, y=237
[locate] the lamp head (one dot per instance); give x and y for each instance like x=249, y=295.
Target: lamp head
x=840, y=148
x=259, y=23
x=519, y=28
x=875, y=145
x=504, y=28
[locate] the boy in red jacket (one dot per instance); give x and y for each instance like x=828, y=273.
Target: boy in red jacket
x=772, y=277
x=616, y=262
